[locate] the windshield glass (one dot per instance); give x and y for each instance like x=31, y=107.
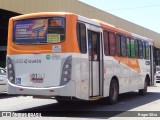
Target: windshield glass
x=37, y=31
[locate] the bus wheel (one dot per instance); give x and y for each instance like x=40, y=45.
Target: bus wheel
x=144, y=90
x=113, y=92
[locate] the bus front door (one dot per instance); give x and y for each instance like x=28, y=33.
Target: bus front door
x=94, y=63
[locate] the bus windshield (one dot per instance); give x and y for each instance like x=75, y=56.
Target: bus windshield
x=39, y=31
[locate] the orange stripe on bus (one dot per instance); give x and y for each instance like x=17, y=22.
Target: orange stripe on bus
x=113, y=28
x=130, y=62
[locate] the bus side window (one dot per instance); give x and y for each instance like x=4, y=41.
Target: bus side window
x=109, y=43
x=136, y=49
x=123, y=46
x=106, y=43
x=147, y=50
x=93, y=45
x=81, y=36
x=144, y=50
x=129, y=47
x=140, y=43
x=132, y=49
x=112, y=43
x=118, y=45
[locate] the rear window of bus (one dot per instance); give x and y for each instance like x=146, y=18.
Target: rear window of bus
x=39, y=30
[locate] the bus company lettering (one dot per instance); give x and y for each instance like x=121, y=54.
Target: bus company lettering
x=32, y=61
x=27, y=61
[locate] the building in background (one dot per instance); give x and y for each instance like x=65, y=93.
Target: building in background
x=9, y=8
x=5, y=15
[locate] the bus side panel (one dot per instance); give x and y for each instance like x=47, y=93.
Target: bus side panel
x=116, y=68
x=143, y=73
x=135, y=79
x=121, y=70
x=84, y=81
x=127, y=72
x=76, y=75
x=108, y=74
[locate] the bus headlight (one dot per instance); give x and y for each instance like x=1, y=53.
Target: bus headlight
x=10, y=71
x=66, y=71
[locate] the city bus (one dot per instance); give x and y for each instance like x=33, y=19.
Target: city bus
x=70, y=57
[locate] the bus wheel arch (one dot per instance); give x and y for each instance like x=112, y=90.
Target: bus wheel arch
x=146, y=84
x=113, y=90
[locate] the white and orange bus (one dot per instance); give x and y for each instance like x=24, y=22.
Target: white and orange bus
x=67, y=56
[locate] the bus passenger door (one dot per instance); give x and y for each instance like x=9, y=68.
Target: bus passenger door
x=94, y=63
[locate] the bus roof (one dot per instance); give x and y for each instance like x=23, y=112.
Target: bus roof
x=116, y=29
x=103, y=24
x=44, y=14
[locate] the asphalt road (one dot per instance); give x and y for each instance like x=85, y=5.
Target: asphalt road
x=150, y=103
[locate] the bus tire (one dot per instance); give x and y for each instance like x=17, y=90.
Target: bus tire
x=113, y=92
x=144, y=90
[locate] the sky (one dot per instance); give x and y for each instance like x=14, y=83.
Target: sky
x=145, y=13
